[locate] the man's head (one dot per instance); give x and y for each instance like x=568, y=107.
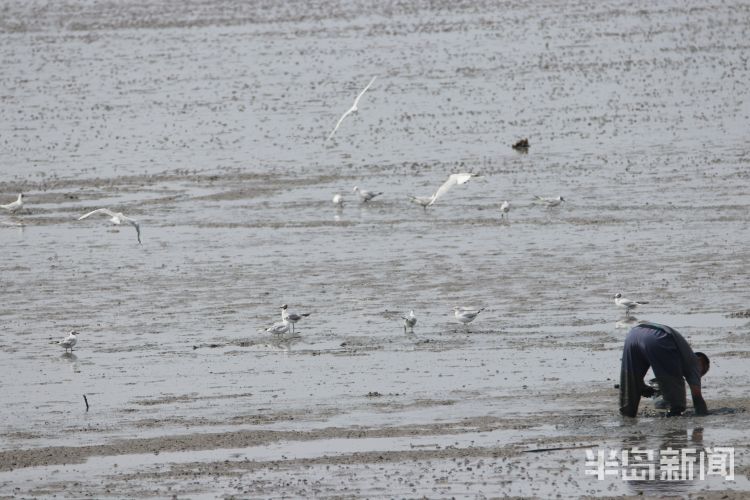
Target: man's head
x=703, y=362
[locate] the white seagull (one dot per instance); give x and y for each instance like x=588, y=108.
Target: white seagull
x=424, y=201
x=15, y=206
x=291, y=317
x=338, y=200
x=69, y=341
x=550, y=202
x=453, y=180
x=466, y=315
x=366, y=195
x=117, y=219
x=504, y=209
x=279, y=328
x=627, y=304
x=409, y=321
x=352, y=109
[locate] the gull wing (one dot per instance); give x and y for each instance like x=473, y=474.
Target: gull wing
x=135, y=224
x=137, y=230
x=443, y=189
x=356, y=101
x=104, y=211
x=463, y=177
x=348, y=112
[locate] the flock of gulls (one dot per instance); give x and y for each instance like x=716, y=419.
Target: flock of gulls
x=463, y=315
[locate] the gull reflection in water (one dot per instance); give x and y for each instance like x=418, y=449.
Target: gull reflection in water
x=627, y=322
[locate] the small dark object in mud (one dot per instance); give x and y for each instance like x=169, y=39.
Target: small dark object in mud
x=617, y=386
x=521, y=145
x=373, y=394
x=740, y=314
x=85, y=400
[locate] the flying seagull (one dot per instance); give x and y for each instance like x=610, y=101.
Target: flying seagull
x=291, y=317
x=117, y=219
x=627, y=304
x=352, y=109
x=15, y=206
x=453, y=180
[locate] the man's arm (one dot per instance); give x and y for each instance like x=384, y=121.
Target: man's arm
x=698, y=402
x=690, y=368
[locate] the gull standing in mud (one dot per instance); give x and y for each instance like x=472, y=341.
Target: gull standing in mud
x=504, y=209
x=466, y=315
x=291, y=317
x=279, y=328
x=15, y=206
x=409, y=321
x=338, y=200
x=351, y=110
x=627, y=304
x=366, y=195
x=69, y=341
x=550, y=202
x=453, y=180
x=423, y=201
x=117, y=219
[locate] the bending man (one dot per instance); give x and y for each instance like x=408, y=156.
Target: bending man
x=667, y=352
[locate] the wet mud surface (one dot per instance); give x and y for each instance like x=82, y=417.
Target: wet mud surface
x=207, y=123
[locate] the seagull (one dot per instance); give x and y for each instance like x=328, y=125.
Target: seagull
x=69, y=341
x=366, y=195
x=15, y=206
x=291, y=317
x=550, y=202
x=504, y=209
x=627, y=304
x=352, y=109
x=338, y=200
x=409, y=321
x=453, y=180
x=117, y=219
x=466, y=315
x=279, y=328
x=424, y=201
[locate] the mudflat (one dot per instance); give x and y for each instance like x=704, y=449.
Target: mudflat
x=208, y=124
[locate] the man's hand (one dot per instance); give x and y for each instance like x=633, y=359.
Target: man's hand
x=648, y=391
x=701, y=409
x=699, y=403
